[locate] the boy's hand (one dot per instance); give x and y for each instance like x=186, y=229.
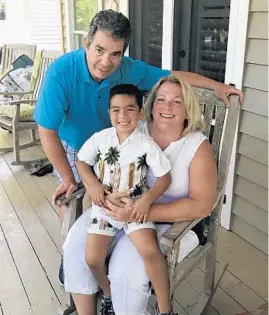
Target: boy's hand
x=97, y=192
x=141, y=210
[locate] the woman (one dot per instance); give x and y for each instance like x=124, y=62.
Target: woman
x=174, y=122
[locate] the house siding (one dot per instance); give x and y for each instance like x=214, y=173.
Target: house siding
x=63, y=25
x=250, y=201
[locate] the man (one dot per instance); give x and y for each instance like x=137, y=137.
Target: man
x=73, y=101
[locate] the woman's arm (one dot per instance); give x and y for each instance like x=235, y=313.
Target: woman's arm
x=203, y=181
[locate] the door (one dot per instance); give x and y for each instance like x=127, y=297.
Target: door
x=146, y=17
x=201, y=37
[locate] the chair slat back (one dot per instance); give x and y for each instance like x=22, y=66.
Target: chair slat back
x=42, y=62
x=220, y=128
x=13, y=51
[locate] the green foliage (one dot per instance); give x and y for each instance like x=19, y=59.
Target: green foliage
x=84, y=12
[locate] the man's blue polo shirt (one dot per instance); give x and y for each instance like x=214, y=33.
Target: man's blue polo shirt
x=71, y=102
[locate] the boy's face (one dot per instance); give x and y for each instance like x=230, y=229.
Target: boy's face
x=124, y=113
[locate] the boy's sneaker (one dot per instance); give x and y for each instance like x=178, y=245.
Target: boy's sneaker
x=106, y=306
x=157, y=312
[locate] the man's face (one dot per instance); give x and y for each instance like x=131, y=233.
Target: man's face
x=103, y=55
x=124, y=113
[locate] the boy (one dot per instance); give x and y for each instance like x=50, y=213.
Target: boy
x=120, y=156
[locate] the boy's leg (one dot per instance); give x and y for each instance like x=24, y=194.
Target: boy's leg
x=96, y=252
x=85, y=304
x=145, y=241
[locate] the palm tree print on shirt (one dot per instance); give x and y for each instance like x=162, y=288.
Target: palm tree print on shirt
x=141, y=187
x=101, y=165
x=112, y=157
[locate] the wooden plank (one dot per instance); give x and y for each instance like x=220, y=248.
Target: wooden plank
x=228, y=283
x=38, y=201
x=253, y=148
x=177, y=308
x=259, y=5
x=256, y=76
x=254, y=125
x=257, y=51
x=254, y=171
x=250, y=233
x=11, y=288
x=35, y=255
x=256, y=101
x=252, y=214
x=186, y=296
x=257, y=25
x=224, y=304
x=246, y=262
x=209, y=310
x=251, y=192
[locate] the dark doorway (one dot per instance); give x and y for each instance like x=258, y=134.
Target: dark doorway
x=146, y=17
x=201, y=37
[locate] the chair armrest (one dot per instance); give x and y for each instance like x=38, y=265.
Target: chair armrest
x=179, y=229
x=62, y=200
x=21, y=93
x=19, y=102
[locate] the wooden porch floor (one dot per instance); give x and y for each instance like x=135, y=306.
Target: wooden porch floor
x=30, y=254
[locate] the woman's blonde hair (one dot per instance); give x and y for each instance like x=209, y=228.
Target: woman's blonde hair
x=193, y=122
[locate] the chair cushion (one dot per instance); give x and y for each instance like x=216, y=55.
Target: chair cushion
x=26, y=111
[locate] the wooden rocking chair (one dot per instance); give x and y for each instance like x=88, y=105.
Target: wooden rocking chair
x=11, y=52
x=14, y=123
x=220, y=129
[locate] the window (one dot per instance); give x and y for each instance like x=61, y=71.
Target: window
x=84, y=11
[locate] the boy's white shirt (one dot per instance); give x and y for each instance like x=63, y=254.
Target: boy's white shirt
x=135, y=146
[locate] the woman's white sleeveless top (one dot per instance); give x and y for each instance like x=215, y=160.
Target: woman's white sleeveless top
x=180, y=153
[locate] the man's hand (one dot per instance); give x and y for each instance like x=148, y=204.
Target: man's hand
x=141, y=210
x=115, y=198
x=67, y=186
x=224, y=91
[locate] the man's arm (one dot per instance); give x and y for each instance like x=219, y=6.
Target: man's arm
x=57, y=156
x=221, y=90
x=55, y=152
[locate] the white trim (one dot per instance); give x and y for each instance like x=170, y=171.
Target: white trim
x=239, y=11
x=100, y=5
x=69, y=22
x=167, y=43
x=124, y=9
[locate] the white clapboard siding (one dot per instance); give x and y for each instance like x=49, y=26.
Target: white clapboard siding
x=250, y=206
x=46, y=27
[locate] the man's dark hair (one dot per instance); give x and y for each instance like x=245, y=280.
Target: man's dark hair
x=112, y=21
x=127, y=89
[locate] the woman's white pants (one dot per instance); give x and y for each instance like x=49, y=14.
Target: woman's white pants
x=127, y=274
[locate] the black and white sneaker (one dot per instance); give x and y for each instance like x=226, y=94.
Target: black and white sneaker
x=106, y=306
x=157, y=312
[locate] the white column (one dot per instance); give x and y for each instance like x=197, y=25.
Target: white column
x=239, y=11
x=167, y=43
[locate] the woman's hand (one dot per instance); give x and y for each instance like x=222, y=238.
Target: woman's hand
x=223, y=91
x=120, y=212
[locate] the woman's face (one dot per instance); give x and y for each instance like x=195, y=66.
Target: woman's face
x=168, y=107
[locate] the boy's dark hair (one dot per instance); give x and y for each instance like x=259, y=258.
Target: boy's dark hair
x=127, y=89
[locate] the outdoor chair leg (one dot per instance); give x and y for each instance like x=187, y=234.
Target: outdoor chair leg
x=16, y=145
x=71, y=309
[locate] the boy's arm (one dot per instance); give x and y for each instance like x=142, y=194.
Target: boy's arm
x=142, y=205
x=160, y=186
